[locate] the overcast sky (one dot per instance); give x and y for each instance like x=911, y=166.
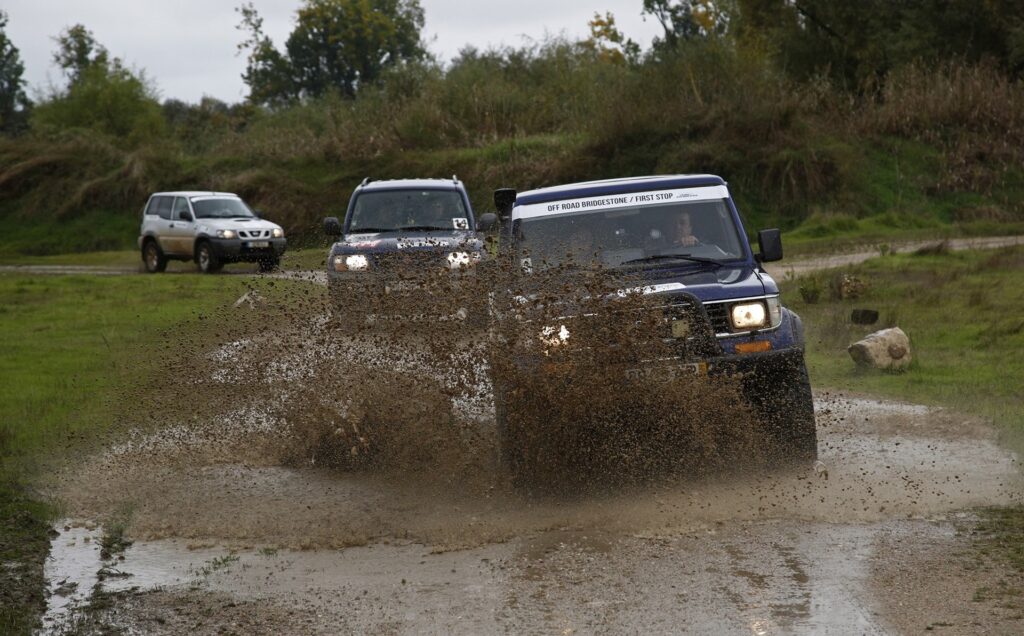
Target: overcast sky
x=188, y=47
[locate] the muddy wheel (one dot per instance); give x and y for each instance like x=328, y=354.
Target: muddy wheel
x=786, y=407
x=268, y=265
x=207, y=259
x=153, y=258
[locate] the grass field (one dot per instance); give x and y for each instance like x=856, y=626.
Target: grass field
x=964, y=313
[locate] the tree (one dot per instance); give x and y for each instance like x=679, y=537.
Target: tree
x=860, y=42
x=77, y=50
x=687, y=19
x=14, y=104
x=336, y=45
x=102, y=94
x=608, y=43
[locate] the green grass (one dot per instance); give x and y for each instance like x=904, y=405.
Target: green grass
x=72, y=338
x=964, y=313
x=126, y=259
x=69, y=343
x=96, y=230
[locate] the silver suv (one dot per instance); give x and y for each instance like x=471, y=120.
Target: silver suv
x=210, y=228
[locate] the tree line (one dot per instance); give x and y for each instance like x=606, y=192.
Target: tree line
x=342, y=47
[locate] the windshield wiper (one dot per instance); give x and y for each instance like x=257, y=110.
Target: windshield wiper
x=420, y=228
x=369, y=230
x=673, y=257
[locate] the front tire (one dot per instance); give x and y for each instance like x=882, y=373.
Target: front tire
x=786, y=407
x=153, y=258
x=206, y=259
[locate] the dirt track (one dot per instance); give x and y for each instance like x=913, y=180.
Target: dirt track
x=304, y=549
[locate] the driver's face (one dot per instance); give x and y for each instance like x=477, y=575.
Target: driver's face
x=683, y=226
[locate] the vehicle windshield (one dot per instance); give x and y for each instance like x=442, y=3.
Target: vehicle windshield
x=698, y=231
x=221, y=208
x=393, y=210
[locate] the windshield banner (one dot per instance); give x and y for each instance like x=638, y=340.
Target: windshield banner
x=628, y=200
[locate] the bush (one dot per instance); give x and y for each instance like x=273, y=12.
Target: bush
x=106, y=99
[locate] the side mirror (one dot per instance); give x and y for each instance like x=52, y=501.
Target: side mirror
x=770, y=242
x=486, y=222
x=332, y=227
x=185, y=216
x=504, y=199
x=258, y=214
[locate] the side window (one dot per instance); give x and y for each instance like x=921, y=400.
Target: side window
x=180, y=205
x=152, y=205
x=163, y=207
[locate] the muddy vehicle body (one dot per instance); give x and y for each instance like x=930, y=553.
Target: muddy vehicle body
x=403, y=251
x=210, y=228
x=680, y=243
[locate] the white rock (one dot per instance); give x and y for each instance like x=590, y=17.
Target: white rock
x=887, y=349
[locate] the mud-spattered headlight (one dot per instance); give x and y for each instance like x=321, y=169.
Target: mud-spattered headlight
x=748, y=316
x=351, y=262
x=554, y=336
x=459, y=260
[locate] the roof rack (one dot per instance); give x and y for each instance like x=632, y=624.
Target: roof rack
x=455, y=179
x=365, y=181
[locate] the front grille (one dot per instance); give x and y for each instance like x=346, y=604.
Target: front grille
x=701, y=339
x=410, y=264
x=254, y=234
x=718, y=314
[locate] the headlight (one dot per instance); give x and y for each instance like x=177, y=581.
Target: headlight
x=278, y=233
x=352, y=262
x=554, y=336
x=226, y=234
x=458, y=260
x=748, y=316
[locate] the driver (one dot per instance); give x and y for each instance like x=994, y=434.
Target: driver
x=436, y=214
x=683, y=235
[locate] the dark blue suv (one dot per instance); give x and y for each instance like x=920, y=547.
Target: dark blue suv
x=399, y=240
x=682, y=238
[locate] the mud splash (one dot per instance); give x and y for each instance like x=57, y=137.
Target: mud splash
x=878, y=461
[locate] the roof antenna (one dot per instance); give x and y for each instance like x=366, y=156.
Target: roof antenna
x=455, y=179
x=365, y=181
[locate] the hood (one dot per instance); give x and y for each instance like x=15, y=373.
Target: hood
x=211, y=225
x=404, y=242
x=706, y=285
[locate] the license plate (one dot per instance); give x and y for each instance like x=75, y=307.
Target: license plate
x=668, y=372
x=257, y=244
x=680, y=328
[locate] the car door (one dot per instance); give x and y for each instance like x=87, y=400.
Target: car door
x=182, y=228
x=161, y=207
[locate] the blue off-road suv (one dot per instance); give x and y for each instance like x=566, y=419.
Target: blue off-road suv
x=681, y=241
x=403, y=249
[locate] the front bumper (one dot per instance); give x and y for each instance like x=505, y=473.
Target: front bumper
x=239, y=250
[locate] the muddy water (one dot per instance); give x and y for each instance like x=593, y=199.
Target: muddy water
x=760, y=553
